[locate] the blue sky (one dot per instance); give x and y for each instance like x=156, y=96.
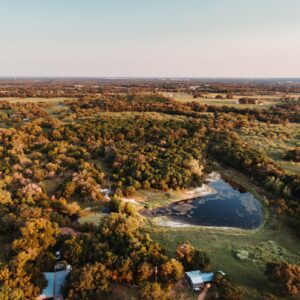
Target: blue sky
x=182, y=38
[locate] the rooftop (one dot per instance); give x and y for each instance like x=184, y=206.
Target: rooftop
x=56, y=280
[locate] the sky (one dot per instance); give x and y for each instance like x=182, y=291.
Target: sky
x=150, y=38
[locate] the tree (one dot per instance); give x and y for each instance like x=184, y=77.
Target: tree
x=5, y=197
x=72, y=250
x=293, y=155
x=228, y=290
x=36, y=236
x=119, y=225
x=287, y=276
x=171, y=271
x=7, y=293
x=69, y=189
x=153, y=291
x=191, y=258
x=88, y=282
x=145, y=271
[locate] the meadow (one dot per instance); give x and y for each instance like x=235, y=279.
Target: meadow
x=210, y=99
x=275, y=140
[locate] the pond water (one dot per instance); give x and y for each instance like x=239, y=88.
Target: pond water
x=226, y=206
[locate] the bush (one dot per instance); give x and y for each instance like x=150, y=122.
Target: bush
x=152, y=291
x=287, y=276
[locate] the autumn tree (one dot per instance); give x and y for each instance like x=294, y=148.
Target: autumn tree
x=191, y=258
x=153, y=291
x=88, y=282
x=287, y=276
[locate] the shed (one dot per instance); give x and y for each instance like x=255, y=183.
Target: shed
x=56, y=281
x=197, y=279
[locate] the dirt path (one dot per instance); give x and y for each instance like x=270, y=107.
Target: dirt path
x=202, y=295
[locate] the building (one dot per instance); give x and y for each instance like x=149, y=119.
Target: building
x=56, y=281
x=197, y=280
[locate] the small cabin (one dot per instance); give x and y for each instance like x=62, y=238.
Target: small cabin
x=197, y=280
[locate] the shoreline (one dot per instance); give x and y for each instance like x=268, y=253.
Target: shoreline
x=162, y=224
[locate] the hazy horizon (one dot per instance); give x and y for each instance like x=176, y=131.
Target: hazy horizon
x=157, y=39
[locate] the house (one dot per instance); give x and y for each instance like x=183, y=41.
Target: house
x=197, y=280
x=56, y=281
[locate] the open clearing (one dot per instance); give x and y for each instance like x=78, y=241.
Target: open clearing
x=220, y=245
x=275, y=140
x=209, y=99
x=35, y=99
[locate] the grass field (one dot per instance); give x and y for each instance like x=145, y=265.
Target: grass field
x=275, y=140
x=268, y=100
x=220, y=245
x=35, y=99
x=93, y=218
x=155, y=198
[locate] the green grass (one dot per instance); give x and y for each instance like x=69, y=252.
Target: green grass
x=155, y=198
x=275, y=140
x=220, y=245
x=93, y=218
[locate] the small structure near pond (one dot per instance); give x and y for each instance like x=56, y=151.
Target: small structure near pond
x=198, y=280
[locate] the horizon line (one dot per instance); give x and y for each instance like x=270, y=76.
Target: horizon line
x=141, y=77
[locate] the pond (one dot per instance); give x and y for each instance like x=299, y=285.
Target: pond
x=225, y=206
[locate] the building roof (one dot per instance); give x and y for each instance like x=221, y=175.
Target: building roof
x=56, y=280
x=197, y=277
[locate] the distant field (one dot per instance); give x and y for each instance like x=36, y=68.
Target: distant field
x=35, y=100
x=267, y=100
x=275, y=140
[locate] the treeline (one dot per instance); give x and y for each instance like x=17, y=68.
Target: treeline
x=79, y=87
x=228, y=148
x=193, y=109
x=17, y=112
